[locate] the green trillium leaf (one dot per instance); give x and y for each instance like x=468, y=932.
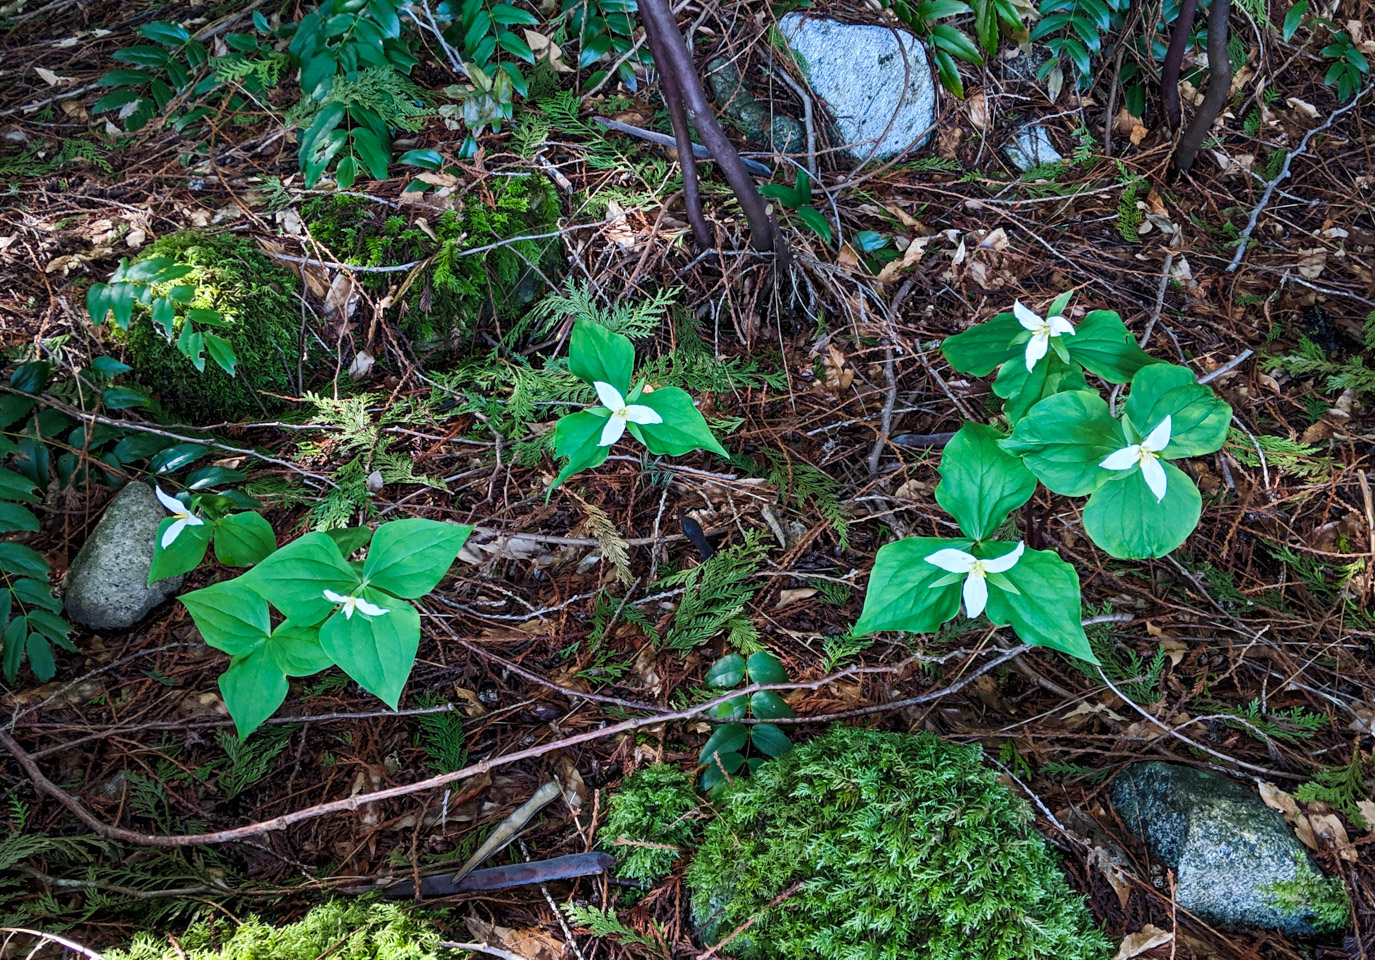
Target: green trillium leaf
x=294, y=579
x=575, y=437
x=683, y=428
x=1045, y=608
x=1104, y=347
x=296, y=649
x=596, y=354
x=409, y=557
x=1064, y=438
x=230, y=615
x=253, y=688
x=377, y=652
x=1198, y=419
x=183, y=554
x=980, y=482
x=902, y=594
x=1023, y=389
x=1124, y=518
x=243, y=539
x=980, y=349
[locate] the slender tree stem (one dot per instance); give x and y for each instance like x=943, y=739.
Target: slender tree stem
x=1174, y=62
x=1215, y=96
x=677, y=116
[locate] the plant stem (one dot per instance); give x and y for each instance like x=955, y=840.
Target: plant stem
x=1174, y=61
x=1215, y=96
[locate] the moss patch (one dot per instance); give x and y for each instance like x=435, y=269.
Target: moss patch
x=650, y=815
x=441, y=304
x=256, y=299
x=338, y=930
x=1319, y=901
x=901, y=846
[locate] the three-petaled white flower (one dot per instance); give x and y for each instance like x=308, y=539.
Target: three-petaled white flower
x=976, y=570
x=1147, y=454
x=621, y=413
x=1041, y=331
x=183, y=517
x=355, y=603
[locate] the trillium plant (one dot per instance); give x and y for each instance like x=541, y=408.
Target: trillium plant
x=664, y=420
x=309, y=606
x=195, y=521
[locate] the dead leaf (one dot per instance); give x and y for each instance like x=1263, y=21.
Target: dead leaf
x=341, y=302
x=1089, y=709
x=915, y=248
x=1147, y=938
x=546, y=49
x=531, y=943
x=996, y=239
x=1303, y=107
x=1176, y=650
x=977, y=106
x=1277, y=799
x=50, y=78
x=1115, y=875
x=1312, y=263
x=618, y=229
x=1327, y=828
x=571, y=783
x=793, y=595
x=362, y=363
x=1367, y=809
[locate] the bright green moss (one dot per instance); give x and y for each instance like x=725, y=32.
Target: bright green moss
x=442, y=301
x=657, y=805
x=904, y=845
x=256, y=298
x=1319, y=901
x=340, y=930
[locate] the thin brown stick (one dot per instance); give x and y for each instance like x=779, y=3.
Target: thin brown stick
x=1174, y=62
x=1215, y=95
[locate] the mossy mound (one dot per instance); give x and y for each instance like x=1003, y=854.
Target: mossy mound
x=441, y=304
x=903, y=845
x=338, y=930
x=649, y=815
x=256, y=299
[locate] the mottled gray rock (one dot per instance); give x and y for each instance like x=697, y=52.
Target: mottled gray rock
x=875, y=80
x=107, y=585
x=1236, y=862
x=1030, y=147
x=779, y=132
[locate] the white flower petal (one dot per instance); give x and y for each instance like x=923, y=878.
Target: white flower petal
x=171, y=533
x=333, y=597
x=1123, y=459
x=1155, y=477
x=1036, y=348
x=615, y=427
x=349, y=604
x=1024, y=316
x=1059, y=326
x=975, y=594
x=1159, y=438
x=172, y=504
x=371, y=609
x=609, y=396
x=639, y=413
x=192, y=520
x=952, y=560
x=1007, y=561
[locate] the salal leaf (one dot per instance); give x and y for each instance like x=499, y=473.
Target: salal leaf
x=377, y=652
x=596, y=354
x=980, y=482
x=683, y=430
x=770, y=740
x=763, y=667
x=253, y=688
x=180, y=556
x=575, y=437
x=1104, y=347
x=901, y=593
x=1045, y=610
x=1198, y=419
x=1023, y=389
x=727, y=738
x=767, y=705
x=1124, y=518
x=981, y=348
x=294, y=579
x=727, y=672
x=1064, y=438
x=296, y=649
x=409, y=557
x=243, y=539
x=230, y=615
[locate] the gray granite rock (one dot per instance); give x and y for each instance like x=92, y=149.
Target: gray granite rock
x=107, y=585
x=1237, y=863
x=875, y=80
x=1030, y=147
x=779, y=132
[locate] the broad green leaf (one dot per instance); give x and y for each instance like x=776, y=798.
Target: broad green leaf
x=980, y=482
x=1293, y=19
x=409, y=557
x=732, y=709
x=575, y=437
x=767, y=705
x=180, y=556
x=350, y=539
x=296, y=649
x=1124, y=518
x=727, y=672
x=1102, y=344
x=230, y=615
x=378, y=652
x=1064, y=438
x=31, y=593
x=596, y=354
x=22, y=561
x=1046, y=609
x=1023, y=389
x=1198, y=419
x=31, y=377
x=40, y=656
x=902, y=595
x=713, y=777
x=51, y=626
x=243, y=539
x=15, y=487
x=770, y=740
x=253, y=688
x=727, y=738
x=981, y=348
x=683, y=430
x=13, y=517
x=764, y=667
x=15, y=638
x=295, y=578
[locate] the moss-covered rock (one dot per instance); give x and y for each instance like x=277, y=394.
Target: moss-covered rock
x=441, y=304
x=649, y=816
x=900, y=846
x=255, y=298
x=339, y=930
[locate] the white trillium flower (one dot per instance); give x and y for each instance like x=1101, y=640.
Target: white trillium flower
x=975, y=583
x=184, y=517
x=355, y=603
x=1147, y=455
x=621, y=413
x=1041, y=331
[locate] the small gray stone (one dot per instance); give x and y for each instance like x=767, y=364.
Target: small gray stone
x=780, y=133
x=107, y=585
x=1030, y=147
x=1237, y=864
x=875, y=80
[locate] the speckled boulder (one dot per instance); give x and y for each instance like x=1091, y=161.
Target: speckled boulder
x=1237, y=864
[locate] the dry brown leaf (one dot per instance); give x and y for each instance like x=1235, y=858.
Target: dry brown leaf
x=1088, y=709
x=1303, y=107
x=910, y=257
x=1277, y=799
x=793, y=595
x=977, y=106
x=1115, y=875
x=531, y=943
x=341, y=302
x=1367, y=809
x=570, y=783
x=1176, y=650
x=1147, y=938
x=1327, y=829
x=618, y=229
x=1312, y=263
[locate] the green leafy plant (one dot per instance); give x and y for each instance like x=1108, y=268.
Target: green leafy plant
x=1349, y=66
x=919, y=583
x=664, y=420
x=353, y=614
x=949, y=43
x=240, y=539
x=606, y=31
x=1140, y=505
x=650, y=822
x=28, y=610
x=798, y=198
x=725, y=752
x=716, y=597
x=1075, y=29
